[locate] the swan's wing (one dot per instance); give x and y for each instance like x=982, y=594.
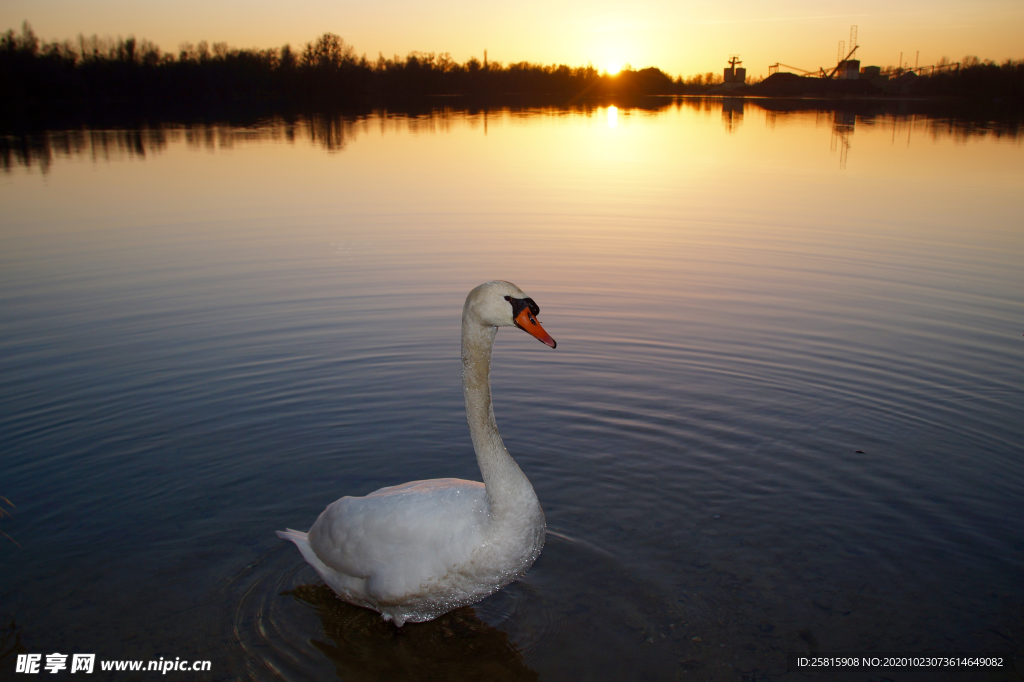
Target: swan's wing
x=403, y=536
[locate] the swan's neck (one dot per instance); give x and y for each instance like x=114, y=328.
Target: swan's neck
x=507, y=487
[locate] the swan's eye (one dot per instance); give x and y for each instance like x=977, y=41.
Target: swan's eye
x=520, y=304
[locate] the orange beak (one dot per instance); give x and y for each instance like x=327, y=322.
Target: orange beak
x=529, y=324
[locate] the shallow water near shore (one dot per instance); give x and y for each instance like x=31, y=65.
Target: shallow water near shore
x=785, y=414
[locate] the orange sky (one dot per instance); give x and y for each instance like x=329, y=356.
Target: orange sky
x=679, y=37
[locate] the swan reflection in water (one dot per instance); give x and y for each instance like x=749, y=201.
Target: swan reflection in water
x=455, y=646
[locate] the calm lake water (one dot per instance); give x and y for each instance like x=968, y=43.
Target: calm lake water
x=786, y=411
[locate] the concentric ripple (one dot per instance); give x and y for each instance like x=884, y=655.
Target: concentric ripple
x=288, y=625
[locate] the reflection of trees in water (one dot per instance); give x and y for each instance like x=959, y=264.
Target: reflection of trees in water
x=40, y=149
x=333, y=132
x=455, y=646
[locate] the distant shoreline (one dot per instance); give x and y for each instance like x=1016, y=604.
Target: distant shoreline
x=62, y=80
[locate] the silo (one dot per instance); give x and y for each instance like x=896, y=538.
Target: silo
x=734, y=74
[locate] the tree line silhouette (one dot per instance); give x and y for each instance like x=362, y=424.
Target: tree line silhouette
x=977, y=79
x=326, y=71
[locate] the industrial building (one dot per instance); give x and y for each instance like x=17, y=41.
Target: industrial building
x=734, y=74
x=848, y=70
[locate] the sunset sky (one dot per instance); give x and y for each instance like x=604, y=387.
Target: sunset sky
x=681, y=37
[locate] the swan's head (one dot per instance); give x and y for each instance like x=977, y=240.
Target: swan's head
x=503, y=304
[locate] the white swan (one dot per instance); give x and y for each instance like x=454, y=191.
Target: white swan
x=418, y=550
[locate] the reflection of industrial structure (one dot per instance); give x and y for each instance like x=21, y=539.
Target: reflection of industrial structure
x=732, y=113
x=843, y=123
x=735, y=75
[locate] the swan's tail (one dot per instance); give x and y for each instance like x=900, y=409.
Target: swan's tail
x=350, y=589
x=301, y=541
x=295, y=536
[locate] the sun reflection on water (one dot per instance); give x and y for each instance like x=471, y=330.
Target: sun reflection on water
x=613, y=117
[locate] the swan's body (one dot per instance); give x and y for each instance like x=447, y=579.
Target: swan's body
x=417, y=550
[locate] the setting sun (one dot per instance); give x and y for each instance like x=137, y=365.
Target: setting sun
x=613, y=68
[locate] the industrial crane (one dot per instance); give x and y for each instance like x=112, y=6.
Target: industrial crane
x=821, y=73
